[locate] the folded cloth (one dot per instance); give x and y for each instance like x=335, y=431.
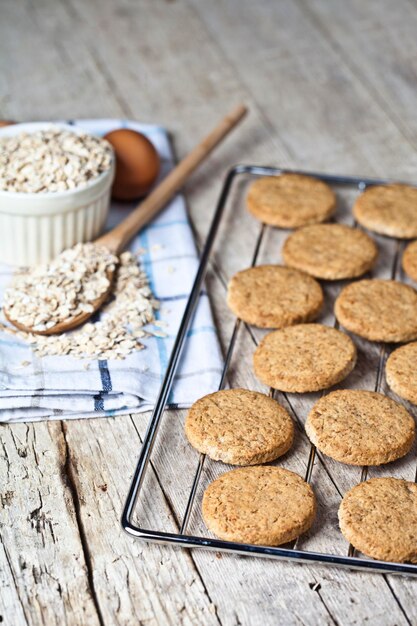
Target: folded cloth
x=60, y=387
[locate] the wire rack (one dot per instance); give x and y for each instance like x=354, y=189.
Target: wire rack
x=133, y=505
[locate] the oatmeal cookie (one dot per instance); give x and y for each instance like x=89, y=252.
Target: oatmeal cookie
x=290, y=200
x=259, y=505
x=239, y=427
x=271, y=296
x=330, y=251
x=379, y=518
x=303, y=358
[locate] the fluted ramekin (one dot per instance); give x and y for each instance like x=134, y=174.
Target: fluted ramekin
x=36, y=227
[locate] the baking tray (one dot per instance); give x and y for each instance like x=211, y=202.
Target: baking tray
x=138, y=502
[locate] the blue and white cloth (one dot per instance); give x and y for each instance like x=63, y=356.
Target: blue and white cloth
x=59, y=387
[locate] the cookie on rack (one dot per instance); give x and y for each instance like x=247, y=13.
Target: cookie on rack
x=379, y=518
x=388, y=210
x=261, y=505
x=330, y=251
x=290, y=200
x=304, y=358
x=409, y=261
x=360, y=427
x=400, y=372
x=239, y=427
x=272, y=296
x=378, y=310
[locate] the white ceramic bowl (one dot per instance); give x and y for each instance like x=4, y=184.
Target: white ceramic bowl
x=36, y=227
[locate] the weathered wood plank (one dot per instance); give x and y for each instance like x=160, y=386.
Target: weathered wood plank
x=42, y=553
x=135, y=583
x=377, y=39
x=310, y=96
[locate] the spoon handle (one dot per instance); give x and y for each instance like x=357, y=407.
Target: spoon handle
x=116, y=239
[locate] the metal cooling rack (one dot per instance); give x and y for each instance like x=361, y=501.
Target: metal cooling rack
x=288, y=553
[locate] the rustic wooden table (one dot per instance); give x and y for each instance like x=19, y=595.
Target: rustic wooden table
x=331, y=86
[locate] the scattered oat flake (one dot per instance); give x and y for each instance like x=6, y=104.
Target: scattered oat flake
x=25, y=363
x=158, y=333
x=171, y=269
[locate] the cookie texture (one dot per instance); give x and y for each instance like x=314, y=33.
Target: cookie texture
x=306, y=357
x=379, y=518
x=272, y=296
x=290, y=200
x=401, y=372
x=360, y=427
x=259, y=505
x=388, y=210
x=379, y=310
x=330, y=251
x=409, y=261
x=239, y=427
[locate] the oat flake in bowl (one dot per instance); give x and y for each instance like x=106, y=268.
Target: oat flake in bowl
x=52, y=159
x=55, y=184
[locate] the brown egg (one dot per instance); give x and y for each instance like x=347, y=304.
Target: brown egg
x=137, y=164
x=6, y=123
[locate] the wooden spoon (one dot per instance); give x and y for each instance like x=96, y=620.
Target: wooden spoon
x=116, y=239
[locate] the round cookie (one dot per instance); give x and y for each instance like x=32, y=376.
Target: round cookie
x=388, y=210
x=272, y=296
x=379, y=518
x=409, y=261
x=239, y=427
x=306, y=357
x=360, y=427
x=290, y=200
x=330, y=251
x=400, y=371
x=259, y=505
x=379, y=310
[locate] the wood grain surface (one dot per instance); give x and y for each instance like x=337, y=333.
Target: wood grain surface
x=332, y=86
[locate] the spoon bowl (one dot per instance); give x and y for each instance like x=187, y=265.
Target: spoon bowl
x=72, y=322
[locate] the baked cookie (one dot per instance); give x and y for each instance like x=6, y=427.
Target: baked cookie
x=379, y=518
x=330, y=251
x=260, y=505
x=303, y=358
x=401, y=373
x=379, y=310
x=290, y=200
x=409, y=262
x=388, y=210
x=239, y=427
x=360, y=427
x=271, y=296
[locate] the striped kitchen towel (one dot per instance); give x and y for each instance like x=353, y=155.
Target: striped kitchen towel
x=60, y=387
